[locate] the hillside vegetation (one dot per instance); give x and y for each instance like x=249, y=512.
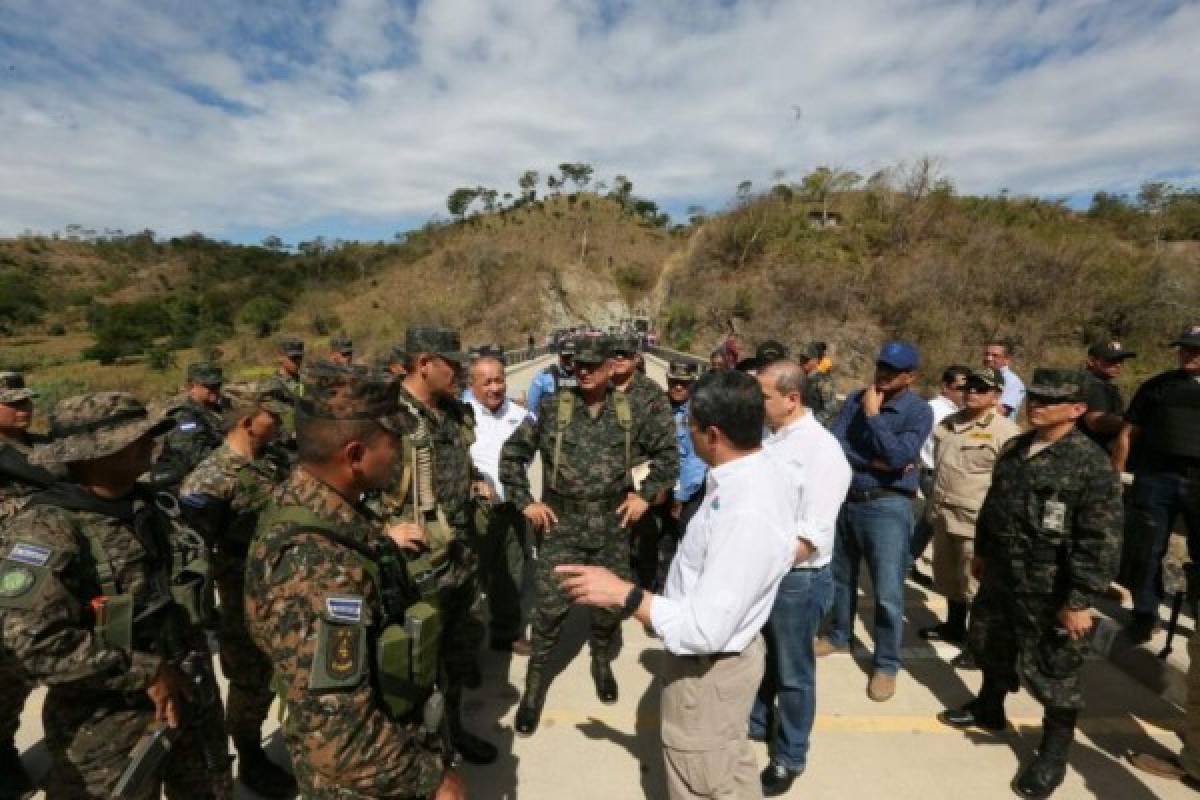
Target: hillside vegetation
x=907, y=257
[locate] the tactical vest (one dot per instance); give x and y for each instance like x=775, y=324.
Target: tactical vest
x=1175, y=430
x=566, y=410
x=405, y=643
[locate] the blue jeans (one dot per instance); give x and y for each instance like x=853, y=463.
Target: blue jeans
x=1158, y=498
x=880, y=531
x=791, y=674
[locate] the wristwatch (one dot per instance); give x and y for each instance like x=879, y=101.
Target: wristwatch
x=633, y=601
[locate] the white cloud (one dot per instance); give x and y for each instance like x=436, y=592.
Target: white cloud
x=195, y=116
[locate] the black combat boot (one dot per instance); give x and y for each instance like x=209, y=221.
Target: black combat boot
x=606, y=684
x=1048, y=769
x=529, y=711
x=260, y=774
x=953, y=630
x=473, y=749
x=985, y=711
x=16, y=782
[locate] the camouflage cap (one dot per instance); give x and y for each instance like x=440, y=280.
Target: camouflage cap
x=342, y=344
x=242, y=397
x=626, y=344
x=593, y=349
x=440, y=341
x=91, y=426
x=1058, y=385
x=337, y=392
x=205, y=373
x=810, y=351
x=291, y=347
x=992, y=378
x=13, y=389
x=682, y=371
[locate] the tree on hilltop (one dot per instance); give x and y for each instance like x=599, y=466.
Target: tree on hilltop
x=578, y=173
x=823, y=182
x=528, y=182
x=460, y=200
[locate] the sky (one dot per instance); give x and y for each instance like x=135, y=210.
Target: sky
x=355, y=118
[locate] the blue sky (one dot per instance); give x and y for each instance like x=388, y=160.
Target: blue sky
x=355, y=118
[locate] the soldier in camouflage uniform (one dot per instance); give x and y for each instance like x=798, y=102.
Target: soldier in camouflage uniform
x=437, y=472
x=222, y=499
x=1046, y=541
x=322, y=577
x=18, y=481
x=588, y=437
x=649, y=401
x=341, y=351
x=291, y=360
x=86, y=604
x=819, y=395
x=198, y=428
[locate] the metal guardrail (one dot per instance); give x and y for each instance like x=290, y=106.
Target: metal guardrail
x=514, y=357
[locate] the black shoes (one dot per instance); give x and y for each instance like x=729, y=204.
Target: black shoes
x=473, y=749
x=261, y=775
x=964, y=660
x=943, y=633
x=16, y=781
x=975, y=714
x=777, y=779
x=529, y=714
x=1048, y=769
x=606, y=684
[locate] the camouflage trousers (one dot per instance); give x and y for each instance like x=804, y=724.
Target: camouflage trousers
x=246, y=667
x=90, y=736
x=502, y=569
x=574, y=540
x=461, y=607
x=1016, y=637
x=15, y=687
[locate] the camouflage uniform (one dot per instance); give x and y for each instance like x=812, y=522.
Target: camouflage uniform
x=309, y=589
x=198, y=431
x=18, y=481
x=69, y=547
x=222, y=499
x=584, y=490
x=819, y=396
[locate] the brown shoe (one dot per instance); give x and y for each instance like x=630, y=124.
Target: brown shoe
x=881, y=687
x=824, y=647
x=522, y=647
x=1168, y=768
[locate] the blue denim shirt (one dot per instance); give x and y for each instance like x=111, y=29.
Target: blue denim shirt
x=894, y=436
x=692, y=468
x=542, y=384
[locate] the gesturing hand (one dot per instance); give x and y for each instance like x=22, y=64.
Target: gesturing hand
x=632, y=509
x=541, y=515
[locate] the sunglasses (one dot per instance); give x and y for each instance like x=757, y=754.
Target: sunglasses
x=977, y=388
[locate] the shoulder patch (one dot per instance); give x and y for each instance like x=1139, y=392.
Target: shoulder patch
x=16, y=580
x=33, y=554
x=344, y=608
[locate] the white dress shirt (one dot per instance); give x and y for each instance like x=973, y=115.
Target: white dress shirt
x=736, y=550
x=820, y=477
x=942, y=407
x=492, y=430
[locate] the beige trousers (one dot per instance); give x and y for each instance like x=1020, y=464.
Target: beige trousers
x=705, y=708
x=952, y=564
x=1190, y=757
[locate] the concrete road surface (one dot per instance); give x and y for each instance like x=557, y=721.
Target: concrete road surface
x=860, y=749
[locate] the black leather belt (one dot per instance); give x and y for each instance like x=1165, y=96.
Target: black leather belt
x=708, y=659
x=867, y=495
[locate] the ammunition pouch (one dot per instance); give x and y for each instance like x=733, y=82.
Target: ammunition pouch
x=407, y=659
x=114, y=622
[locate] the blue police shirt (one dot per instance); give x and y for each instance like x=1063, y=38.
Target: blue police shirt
x=692, y=468
x=893, y=436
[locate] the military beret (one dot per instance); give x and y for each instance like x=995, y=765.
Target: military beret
x=13, y=389
x=444, y=342
x=206, y=373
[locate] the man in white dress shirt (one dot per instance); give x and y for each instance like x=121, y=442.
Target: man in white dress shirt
x=502, y=546
x=719, y=593
x=820, y=476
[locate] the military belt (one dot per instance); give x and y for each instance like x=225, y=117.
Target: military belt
x=574, y=505
x=867, y=495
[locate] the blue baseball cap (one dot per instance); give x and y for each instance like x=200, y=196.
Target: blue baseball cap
x=899, y=355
